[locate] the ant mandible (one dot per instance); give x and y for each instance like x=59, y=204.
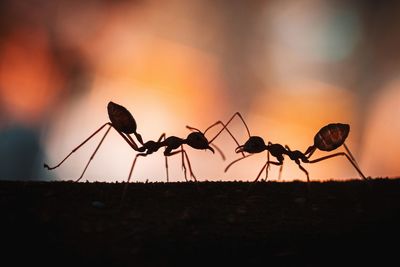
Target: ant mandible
x=328, y=138
x=124, y=123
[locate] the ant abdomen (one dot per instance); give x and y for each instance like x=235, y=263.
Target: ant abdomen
x=331, y=136
x=121, y=118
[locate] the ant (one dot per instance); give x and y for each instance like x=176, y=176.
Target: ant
x=328, y=138
x=125, y=125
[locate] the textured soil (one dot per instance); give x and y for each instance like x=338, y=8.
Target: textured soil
x=201, y=224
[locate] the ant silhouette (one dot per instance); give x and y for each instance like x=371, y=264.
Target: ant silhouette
x=328, y=138
x=124, y=123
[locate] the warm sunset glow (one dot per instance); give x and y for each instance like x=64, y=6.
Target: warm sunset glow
x=382, y=139
x=170, y=87
x=292, y=114
x=28, y=80
x=289, y=67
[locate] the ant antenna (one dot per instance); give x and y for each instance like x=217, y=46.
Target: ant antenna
x=219, y=151
x=237, y=160
x=225, y=127
x=237, y=114
x=195, y=129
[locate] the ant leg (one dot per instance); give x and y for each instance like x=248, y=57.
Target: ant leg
x=133, y=145
x=305, y=171
x=280, y=172
x=259, y=174
x=237, y=160
x=168, y=154
x=166, y=168
x=162, y=138
x=133, y=165
x=267, y=168
x=308, y=180
x=189, y=165
x=129, y=140
x=350, y=154
x=94, y=153
x=76, y=148
x=184, y=154
x=266, y=165
x=183, y=163
x=340, y=154
x=281, y=167
x=130, y=174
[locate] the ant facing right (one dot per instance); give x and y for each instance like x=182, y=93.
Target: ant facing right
x=328, y=138
x=125, y=125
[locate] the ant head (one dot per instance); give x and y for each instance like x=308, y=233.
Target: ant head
x=255, y=144
x=197, y=140
x=121, y=118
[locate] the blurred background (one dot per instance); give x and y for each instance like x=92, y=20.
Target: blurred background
x=289, y=66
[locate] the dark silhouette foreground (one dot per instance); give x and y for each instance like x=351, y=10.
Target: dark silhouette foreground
x=200, y=224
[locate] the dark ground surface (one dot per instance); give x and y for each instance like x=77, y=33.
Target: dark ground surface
x=206, y=224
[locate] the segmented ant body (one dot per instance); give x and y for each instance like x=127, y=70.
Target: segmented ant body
x=125, y=125
x=328, y=138
x=196, y=140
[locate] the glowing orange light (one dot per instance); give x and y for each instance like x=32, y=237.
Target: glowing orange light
x=293, y=113
x=28, y=80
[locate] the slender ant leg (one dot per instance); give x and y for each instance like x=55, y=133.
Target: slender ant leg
x=162, y=138
x=305, y=171
x=350, y=154
x=133, y=145
x=265, y=167
x=94, y=153
x=340, y=154
x=183, y=163
x=189, y=165
x=130, y=174
x=76, y=148
x=184, y=156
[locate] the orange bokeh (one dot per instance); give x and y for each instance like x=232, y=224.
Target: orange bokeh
x=29, y=81
x=171, y=68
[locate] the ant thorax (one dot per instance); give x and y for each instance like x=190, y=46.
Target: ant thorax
x=277, y=150
x=255, y=144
